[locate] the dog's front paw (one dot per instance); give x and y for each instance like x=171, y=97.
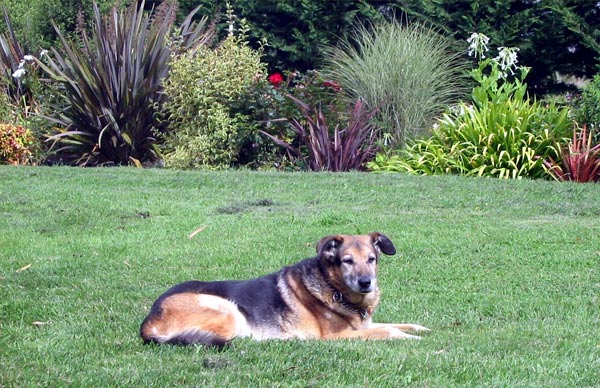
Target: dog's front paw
x=419, y=329
x=413, y=328
x=397, y=333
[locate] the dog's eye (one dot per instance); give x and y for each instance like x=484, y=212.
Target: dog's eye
x=348, y=260
x=371, y=259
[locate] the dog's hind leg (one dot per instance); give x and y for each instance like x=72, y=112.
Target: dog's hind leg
x=189, y=318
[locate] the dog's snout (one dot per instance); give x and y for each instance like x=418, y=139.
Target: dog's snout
x=364, y=282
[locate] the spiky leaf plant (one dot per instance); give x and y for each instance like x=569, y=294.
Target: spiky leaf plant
x=112, y=85
x=337, y=149
x=580, y=160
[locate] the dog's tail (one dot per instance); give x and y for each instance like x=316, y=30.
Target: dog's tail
x=186, y=337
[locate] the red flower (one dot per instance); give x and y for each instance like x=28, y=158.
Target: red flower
x=275, y=79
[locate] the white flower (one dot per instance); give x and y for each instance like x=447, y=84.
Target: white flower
x=478, y=45
x=28, y=58
x=43, y=53
x=20, y=72
x=507, y=59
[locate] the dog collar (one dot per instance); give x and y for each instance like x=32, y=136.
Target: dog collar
x=338, y=297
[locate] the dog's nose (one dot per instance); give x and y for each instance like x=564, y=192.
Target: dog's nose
x=364, y=282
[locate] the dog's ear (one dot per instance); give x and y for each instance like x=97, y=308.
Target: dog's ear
x=383, y=243
x=327, y=247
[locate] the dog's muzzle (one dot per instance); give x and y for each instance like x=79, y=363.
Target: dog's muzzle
x=365, y=284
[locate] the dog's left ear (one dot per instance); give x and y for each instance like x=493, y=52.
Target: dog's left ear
x=383, y=243
x=327, y=247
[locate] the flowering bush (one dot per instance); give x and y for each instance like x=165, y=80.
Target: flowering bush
x=15, y=144
x=19, y=75
x=502, y=134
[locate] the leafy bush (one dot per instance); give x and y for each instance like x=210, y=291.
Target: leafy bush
x=295, y=29
x=554, y=36
x=112, y=84
x=588, y=110
x=503, y=134
x=579, y=161
x=322, y=149
x=501, y=140
x=409, y=71
x=203, y=89
x=33, y=19
x=16, y=143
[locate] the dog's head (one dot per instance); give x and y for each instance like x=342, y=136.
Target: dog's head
x=353, y=260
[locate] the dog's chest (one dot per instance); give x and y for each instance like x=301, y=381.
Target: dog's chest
x=314, y=312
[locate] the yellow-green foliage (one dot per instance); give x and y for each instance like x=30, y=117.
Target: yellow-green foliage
x=15, y=144
x=508, y=139
x=203, y=88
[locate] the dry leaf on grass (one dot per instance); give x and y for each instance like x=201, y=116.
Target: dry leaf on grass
x=25, y=268
x=195, y=232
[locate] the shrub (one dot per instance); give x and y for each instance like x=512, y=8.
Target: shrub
x=322, y=148
x=204, y=88
x=408, y=71
x=588, y=111
x=33, y=19
x=579, y=161
x=16, y=144
x=112, y=84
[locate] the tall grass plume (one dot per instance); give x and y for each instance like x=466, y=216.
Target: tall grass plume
x=408, y=70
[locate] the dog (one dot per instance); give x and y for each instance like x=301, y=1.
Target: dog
x=330, y=296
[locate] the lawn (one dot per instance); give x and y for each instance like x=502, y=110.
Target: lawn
x=505, y=273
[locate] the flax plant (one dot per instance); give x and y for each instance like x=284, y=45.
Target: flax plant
x=112, y=83
x=408, y=71
x=579, y=161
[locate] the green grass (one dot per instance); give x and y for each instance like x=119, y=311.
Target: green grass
x=505, y=273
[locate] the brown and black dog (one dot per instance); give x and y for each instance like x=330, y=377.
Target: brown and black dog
x=330, y=296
